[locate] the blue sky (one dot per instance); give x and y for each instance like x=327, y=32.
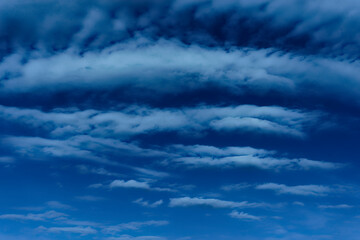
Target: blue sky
x=179, y=120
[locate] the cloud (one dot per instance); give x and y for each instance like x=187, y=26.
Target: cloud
x=144, y=203
x=42, y=148
x=210, y=156
x=84, y=147
x=339, y=206
x=79, y=147
x=299, y=203
x=261, y=23
x=305, y=190
x=151, y=172
x=137, y=120
x=6, y=159
x=84, y=169
x=80, y=230
x=133, y=226
x=89, y=198
x=235, y=187
x=58, y=205
x=216, y=203
x=96, y=185
x=129, y=184
x=34, y=217
x=243, y=216
x=136, y=184
x=153, y=66
x=128, y=237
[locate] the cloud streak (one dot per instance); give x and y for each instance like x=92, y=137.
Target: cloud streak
x=212, y=202
x=137, y=120
x=229, y=157
x=137, y=185
x=34, y=217
x=305, y=190
x=79, y=230
x=133, y=226
x=243, y=216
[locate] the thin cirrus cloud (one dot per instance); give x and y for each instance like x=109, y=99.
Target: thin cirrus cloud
x=339, y=206
x=140, y=120
x=137, y=185
x=89, y=198
x=34, y=216
x=95, y=26
x=149, y=99
x=144, y=203
x=211, y=202
x=235, y=187
x=79, y=230
x=153, y=66
x=6, y=159
x=77, y=147
x=133, y=226
x=243, y=216
x=210, y=156
x=79, y=227
x=129, y=237
x=89, y=148
x=305, y=190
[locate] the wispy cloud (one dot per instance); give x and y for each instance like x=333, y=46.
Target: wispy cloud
x=144, y=203
x=243, y=216
x=100, y=171
x=235, y=187
x=129, y=237
x=339, y=206
x=136, y=120
x=89, y=198
x=6, y=159
x=210, y=156
x=212, y=202
x=79, y=230
x=133, y=226
x=34, y=217
x=137, y=184
x=58, y=205
x=306, y=190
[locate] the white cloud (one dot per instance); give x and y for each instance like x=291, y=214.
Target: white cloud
x=314, y=190
x=216, y=203
x=243, y=216
x=129, y=184
x=136, y=184
x=138, y=120
x=58, y=205
x=128, y=237
x=339, y=206
x=96, y=185
x=84, y=169
x=89, y=198
x=144, y=203
x=159, y=66
x=133, y=226
x=235, y=187
x=151, y=172
x=6, y=159
x=40, y=148
x=209, y=156
x=77, y=147
x=79, y=230
x=299, y=203
x=34, y=217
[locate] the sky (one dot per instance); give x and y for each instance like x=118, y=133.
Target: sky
x=179, y=119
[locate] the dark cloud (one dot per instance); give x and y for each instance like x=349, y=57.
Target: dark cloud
x=315, y=27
